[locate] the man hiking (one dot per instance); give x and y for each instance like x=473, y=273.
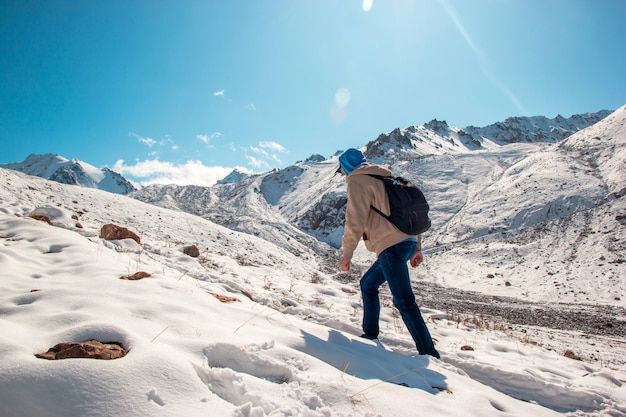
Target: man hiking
x=393, y=249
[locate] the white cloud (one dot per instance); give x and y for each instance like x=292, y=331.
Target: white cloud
x=219, y=93
x=158, y=172
x=208, y=138
x=259, y=151
x=166, y=141
x=256, y=162
x=251, y=106
x=265, y=152
x=273, y=146
x=145, y=140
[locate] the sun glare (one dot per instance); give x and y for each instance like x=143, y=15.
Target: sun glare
x=367, y=5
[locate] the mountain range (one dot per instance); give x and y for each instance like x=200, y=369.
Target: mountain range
x=434, y=137
x=529, y=321
x=516, y=195
x=75, y=172
x=521, y=195
x=523, y=286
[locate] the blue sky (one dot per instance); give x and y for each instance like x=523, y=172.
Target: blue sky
x=184, y=91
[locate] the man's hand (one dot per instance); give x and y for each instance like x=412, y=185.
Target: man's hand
x=344, y=264
x=417, y=258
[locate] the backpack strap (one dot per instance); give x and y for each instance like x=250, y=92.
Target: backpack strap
x=380, y=177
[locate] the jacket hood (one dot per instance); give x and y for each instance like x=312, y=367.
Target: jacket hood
x=369, y=168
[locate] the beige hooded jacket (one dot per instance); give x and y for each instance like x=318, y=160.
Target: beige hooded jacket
x=361, y=221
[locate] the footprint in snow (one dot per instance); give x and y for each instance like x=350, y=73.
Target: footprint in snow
x=241, y=376
x=223, y=355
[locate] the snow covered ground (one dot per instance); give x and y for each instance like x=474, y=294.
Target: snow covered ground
x=288, y=346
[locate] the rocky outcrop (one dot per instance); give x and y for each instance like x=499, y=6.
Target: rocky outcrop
x=89, y=349
x=114, y=232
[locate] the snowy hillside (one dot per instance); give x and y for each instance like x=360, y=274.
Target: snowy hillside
x=545, y=224
x=522, y=210
x=307, y=195
x=75, y=172
x=251, y=329
x=242, y=206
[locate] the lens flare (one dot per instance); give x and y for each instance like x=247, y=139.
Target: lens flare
x=342, y=97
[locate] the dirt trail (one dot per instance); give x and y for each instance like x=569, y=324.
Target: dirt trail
x=603, y=320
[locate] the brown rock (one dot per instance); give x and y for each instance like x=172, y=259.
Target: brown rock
x=136, y=276
x=89, y=349
x=114, y=232
x=569, y=354
x=41, y=218
x=192, y=251
x=225, y=298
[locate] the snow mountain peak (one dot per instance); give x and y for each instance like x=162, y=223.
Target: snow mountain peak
x=74, y=172
x=437, y=137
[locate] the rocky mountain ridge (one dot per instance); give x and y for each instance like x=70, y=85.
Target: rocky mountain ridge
x=437, y=137
x=518, y=210
x=73, y=172
x=279, y=194
x=519, y=207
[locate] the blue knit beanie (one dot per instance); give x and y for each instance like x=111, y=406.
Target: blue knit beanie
x=351, y=159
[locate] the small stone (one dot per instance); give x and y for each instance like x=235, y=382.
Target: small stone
x=192, y=251
x=136, y=276
x=91, y=349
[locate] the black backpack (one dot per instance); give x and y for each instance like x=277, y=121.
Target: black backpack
x=409, y=208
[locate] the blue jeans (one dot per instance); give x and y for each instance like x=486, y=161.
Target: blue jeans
x=391, y=266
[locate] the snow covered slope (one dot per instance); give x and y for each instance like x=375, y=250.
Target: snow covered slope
x=544, y=224
x=535, y=228
x=249, y=328
x=524, y=211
